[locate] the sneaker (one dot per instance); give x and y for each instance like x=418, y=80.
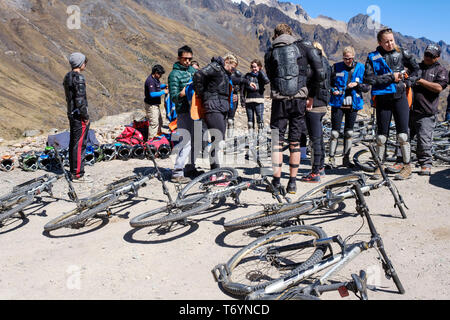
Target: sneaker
x=405, y=173
x=322, y=172
x=292, y=187
x=311, y=178
x=425, y=171
x=180, y=180
x=396, y=168
x=83, y=179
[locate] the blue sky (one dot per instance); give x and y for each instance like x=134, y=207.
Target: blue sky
x=425, y=18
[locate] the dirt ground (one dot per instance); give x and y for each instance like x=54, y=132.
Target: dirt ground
x=107, y=259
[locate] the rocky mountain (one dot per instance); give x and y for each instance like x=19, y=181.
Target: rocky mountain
x=123, y=39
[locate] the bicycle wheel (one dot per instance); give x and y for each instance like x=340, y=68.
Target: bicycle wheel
x=336, y=185
x=443, y=155
x=364, y=161
x=168, y=214
x=203, y=185
x=267, y=217
x=16, y=207
x=281, y=253
x=80, y=214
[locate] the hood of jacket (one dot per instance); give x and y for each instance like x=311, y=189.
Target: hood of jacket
x=283, y=40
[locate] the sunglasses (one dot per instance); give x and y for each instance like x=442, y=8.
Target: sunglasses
x=429, y=55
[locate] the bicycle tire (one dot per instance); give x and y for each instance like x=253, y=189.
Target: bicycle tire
x=79, y=214
x=21, y=204
x=366, y=165
x=235, y=286
x=263, y=218
x=445, y=157
x=187, y=210
x=338, y=181
x=200, y=180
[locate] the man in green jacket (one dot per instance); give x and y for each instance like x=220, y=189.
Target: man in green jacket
x=178, y=79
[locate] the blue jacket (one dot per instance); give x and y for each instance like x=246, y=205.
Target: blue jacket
x=380, y=67
x=341, y=81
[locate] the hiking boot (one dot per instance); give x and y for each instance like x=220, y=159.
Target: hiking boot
x=82, y=179
x=180, y=180
x=311, y=178
x=347, y=163
x=376, y=175
x=396, y=168
x=193, y=173
x=405, y=173
x=425, y=171
x=292, y=187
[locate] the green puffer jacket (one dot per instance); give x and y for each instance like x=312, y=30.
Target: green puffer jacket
x=178, y=79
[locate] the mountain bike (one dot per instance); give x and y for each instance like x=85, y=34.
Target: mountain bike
x=326, y=196
x=198, y=195
x=277, y=265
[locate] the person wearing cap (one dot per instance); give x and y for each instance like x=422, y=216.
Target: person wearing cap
x=77, y=111
x=154, y=90
x=432, y=81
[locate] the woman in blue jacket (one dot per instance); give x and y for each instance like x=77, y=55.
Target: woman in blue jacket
x=346, y=100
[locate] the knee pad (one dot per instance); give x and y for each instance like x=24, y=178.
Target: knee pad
x=381, y=140
x=334, y=134
x=348, y=134
x=402, y=138
x=230, y=122
x=251, y=125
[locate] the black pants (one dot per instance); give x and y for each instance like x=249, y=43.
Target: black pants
x=216, y=123
x=337, y=114
x=315, y=132
x=77, y=146
x=386, y=107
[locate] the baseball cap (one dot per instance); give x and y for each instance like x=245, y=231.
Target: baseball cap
x=434, y=50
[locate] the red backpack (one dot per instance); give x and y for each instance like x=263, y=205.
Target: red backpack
x=131, y=136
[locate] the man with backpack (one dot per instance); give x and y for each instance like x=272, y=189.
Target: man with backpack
x=286, y=63
x=77, y=112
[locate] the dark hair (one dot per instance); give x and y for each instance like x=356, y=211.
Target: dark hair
x=382, y=33
x=184, y=49
x=258, y=63
x=195, y=62
x=158, y=69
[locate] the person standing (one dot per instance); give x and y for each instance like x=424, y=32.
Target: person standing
x=153, y=91
x=254, y=96
x=347, y=89
x=447, y=114
x=432, y=81
x=214, y=86
x=179, y=77
x=386, y=72
x=286, y=63
x=314, y=117
x=77, y=111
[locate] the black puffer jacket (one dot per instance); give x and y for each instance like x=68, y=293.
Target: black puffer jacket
x=320, y=91
x=212, y=84
x=75, y=90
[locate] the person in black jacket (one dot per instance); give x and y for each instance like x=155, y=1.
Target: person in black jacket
x=254, y=98
x=433, y=80
x=447, y=114
x=314, y=116
x=391, y=70
x=286, y=63
x=213, y=85
x=77, y=112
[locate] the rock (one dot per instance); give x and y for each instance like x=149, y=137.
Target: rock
x=31, y=133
